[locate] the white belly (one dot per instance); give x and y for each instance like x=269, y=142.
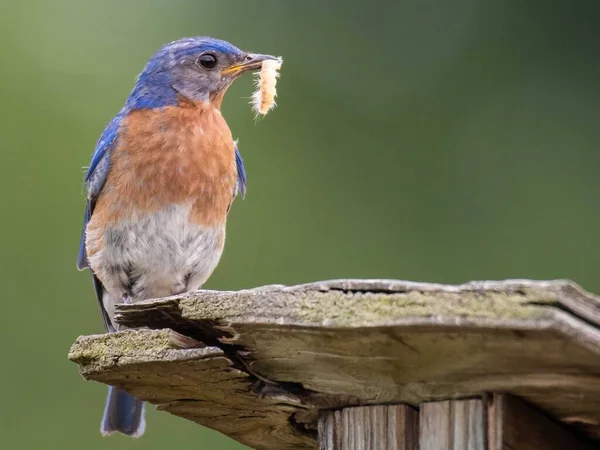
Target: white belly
x=155, y=255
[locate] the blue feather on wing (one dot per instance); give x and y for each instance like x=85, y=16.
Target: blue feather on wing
x=241, y=172
x=104, y=144
x=96, y=176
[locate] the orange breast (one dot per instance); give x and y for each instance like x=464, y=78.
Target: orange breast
x=177, y=155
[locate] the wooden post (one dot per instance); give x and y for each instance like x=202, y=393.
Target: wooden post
x=453, y=425
x=516, y=425
x=498, y=422
x=380, y=427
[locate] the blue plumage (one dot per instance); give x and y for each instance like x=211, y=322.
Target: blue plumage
x=241, y=172
x=103, y=146
x=164, y=77
x=96, y=176
x=177, y=51
x=153, y=90
x=123, y=413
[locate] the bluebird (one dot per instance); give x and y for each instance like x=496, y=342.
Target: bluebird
x=159, y=187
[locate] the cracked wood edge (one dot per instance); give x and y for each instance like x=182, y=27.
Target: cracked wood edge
x=187, y=379
x=382, y=302
x=237, y=322
x=351, y=304
x=254, y=324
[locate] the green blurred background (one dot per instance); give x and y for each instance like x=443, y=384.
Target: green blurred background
x=423, y=140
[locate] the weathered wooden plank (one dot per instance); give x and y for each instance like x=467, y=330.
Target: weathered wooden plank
x=453, y=425
x=379, y=427
x=440, y=341
x=200, y=384
x=358, y=342
x=470, y=431
x=434, y=426
x=403, y=427
x=515, y=425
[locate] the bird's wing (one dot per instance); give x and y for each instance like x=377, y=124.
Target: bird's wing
x=94, y=179
x=240, y=186
x=240, y=182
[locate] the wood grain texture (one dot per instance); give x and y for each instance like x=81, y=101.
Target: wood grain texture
x=434, y=426
x=453, y=425
x=515, y=425
x=380, y=427
x=347, y=343
x=200, y=384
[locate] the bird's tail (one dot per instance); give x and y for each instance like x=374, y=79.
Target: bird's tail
x=123, y=413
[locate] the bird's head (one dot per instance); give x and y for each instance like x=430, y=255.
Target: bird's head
x=196, y=69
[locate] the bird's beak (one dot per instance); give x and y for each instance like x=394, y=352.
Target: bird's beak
x=252, y=61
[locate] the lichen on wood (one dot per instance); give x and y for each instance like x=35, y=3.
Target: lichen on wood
x=274, y=356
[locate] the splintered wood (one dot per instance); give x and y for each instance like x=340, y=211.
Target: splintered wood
x=263, y=99
x=273, y=366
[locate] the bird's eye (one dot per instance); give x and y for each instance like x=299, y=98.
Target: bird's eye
x=208, y=60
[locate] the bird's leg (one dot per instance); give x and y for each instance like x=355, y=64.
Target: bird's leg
x=126, y=298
